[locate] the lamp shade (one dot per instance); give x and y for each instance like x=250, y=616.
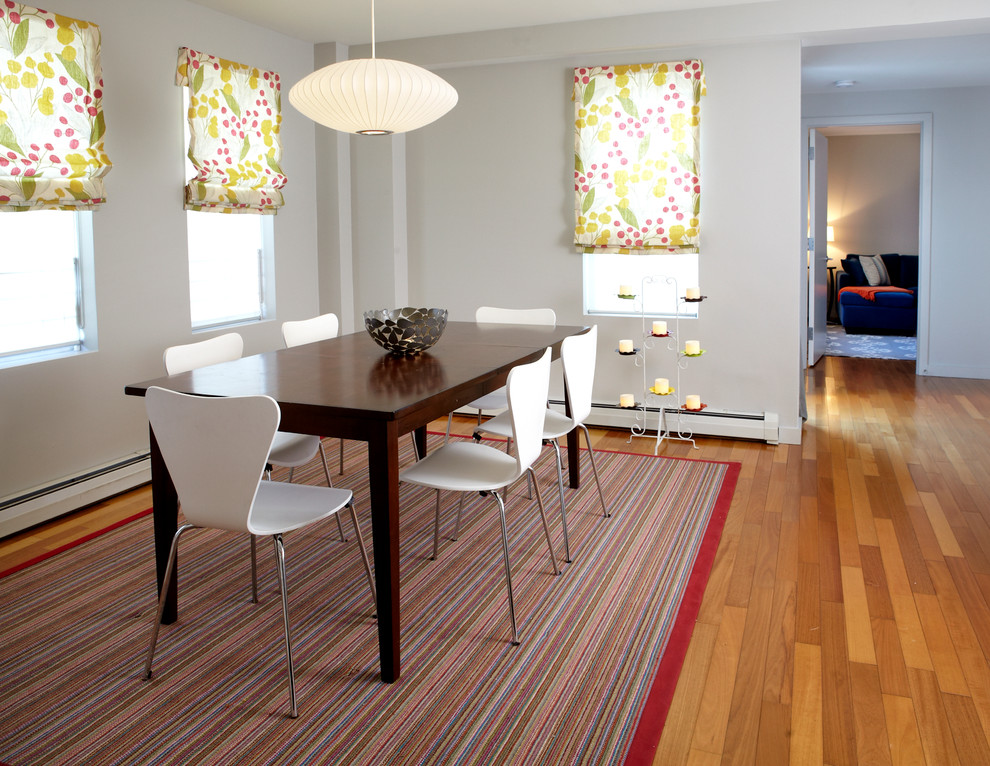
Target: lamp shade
x=373, y=96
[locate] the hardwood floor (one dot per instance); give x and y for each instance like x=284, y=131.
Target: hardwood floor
x=846, y=620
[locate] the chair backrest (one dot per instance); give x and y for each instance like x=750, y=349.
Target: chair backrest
x=192, y=356
x=298, y=332
x=216, y=449
x=527, y=388
x=515, y=316
x=577, y=353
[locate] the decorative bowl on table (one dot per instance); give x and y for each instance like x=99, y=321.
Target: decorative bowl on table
x=407, y=330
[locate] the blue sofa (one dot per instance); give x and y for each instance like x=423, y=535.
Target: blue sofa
x=890, y=312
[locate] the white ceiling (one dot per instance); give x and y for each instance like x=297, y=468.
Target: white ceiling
x=936, y=62
x=930, y=62
x=349, y=21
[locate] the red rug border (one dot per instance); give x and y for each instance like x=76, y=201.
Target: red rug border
x=72, y=544
x=643, y=746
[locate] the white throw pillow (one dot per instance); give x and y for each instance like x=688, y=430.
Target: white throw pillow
x=875, y=270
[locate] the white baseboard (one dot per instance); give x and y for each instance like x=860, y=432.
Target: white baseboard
x=761, y=426
x=71, y=493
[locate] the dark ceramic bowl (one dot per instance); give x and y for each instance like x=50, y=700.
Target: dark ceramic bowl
x=407, y=330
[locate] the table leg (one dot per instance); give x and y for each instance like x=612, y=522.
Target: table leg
x=383, y=470
x=573, y=456
x=165, y=504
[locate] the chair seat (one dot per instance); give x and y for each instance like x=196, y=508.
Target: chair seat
x=463, y=467
x=496, y=400
x=555, y=425
x=280, y=507
x=293, y=450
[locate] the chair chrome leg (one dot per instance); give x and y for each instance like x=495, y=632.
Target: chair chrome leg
x=254, y=570
x=594, y=469
x=436, y=528
x=280, y=562
x=166, y=581
x=364, y=558
x=326, y=472
x=457, y=524
x=341, y=443
x=508, y=572
x=546, y=527
x=291, y=471
x=560, y=489
x=450, y=419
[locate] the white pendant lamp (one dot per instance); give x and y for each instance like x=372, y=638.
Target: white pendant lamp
x=373, y=97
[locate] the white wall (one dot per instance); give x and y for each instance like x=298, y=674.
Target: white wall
x=958, y=329
x=873, y=193
x=489, y=189
x=63, y=417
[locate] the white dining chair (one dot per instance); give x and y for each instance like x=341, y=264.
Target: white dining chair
x=495, y=401
x=289, y=450
x=216, y=450
x=301, y=331
x=577, y=353
x=466, y=466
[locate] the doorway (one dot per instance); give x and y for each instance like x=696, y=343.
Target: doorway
x=846, y=218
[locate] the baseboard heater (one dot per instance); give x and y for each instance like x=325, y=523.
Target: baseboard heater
x=72, y=493
x=761, y=426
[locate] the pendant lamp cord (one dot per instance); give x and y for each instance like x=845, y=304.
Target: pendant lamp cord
x=372, y=28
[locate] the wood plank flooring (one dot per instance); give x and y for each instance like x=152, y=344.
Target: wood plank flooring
x=847, y=618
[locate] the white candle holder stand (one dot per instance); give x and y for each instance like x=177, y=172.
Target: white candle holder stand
x=664, y=429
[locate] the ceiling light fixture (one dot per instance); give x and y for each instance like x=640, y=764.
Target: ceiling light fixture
x=844, y=83
x=373, y=97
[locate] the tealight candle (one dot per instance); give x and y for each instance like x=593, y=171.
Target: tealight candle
x=626, y=400
x=693, y=293
x=625, y=290
x=625, y=346
x=661, y=386
x=692, y=347
x=659, y=328
x=692, y=402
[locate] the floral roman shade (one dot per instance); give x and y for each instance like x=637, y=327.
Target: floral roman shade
x=234, y=145
x=637, y=185
x=51, y=111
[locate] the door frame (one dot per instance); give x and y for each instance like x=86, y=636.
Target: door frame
x=924, y=120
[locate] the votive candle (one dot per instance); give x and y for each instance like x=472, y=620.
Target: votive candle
x=693, y=293
x=692, y=347
x=625, y=346
x=625, y=290
x=661, y=386
x=626, y=400
x=659, y=328
x=692, y=402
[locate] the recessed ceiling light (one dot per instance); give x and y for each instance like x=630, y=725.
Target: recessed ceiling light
x=844, y=83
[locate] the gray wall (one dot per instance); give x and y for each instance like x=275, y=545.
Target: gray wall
x=62, y=417
x=953, y=280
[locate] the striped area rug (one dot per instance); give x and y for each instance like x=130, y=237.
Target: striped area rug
x=576, y=691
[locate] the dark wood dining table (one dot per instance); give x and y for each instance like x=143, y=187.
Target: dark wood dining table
x=350, y=387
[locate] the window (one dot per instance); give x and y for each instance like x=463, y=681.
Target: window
x=231, y=262
x=659, y=282
x=229, y=271
x=46, y=297
x=233, y=187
